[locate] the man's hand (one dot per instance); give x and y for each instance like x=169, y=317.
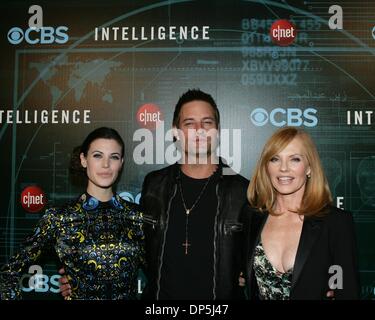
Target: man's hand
x=65, y=288
x=241, y=280
x=331, y=294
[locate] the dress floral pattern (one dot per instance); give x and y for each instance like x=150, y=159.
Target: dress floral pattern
x=273, y=284
x=100, y=245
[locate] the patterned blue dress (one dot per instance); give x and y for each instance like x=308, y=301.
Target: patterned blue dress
x=100, y=244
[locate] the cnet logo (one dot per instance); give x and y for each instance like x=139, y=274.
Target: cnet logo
x=37, y=33
x=149, y=116
x=283, y=32
x=280, y=117
x=44, y=35
x=33, y=199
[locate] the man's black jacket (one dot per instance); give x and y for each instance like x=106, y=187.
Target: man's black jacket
x=159, y=189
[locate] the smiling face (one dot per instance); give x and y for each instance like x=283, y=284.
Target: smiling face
x=288, y=169
x=103, y=163
x=198, y=128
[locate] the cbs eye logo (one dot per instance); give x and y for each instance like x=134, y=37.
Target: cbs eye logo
x=259, y=117
x=280, y=117
x=15, y=35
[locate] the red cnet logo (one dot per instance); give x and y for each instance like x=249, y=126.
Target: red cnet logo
x=33, y=199
x=149, y=115
x=283, y=32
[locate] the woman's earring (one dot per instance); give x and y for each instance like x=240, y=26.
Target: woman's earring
x=309, y=176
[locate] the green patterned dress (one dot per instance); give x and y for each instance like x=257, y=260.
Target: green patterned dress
x=273, y=284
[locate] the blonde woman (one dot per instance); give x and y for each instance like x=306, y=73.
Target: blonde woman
x=298, y=246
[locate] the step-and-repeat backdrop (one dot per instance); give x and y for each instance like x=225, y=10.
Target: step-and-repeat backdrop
x=68, y=67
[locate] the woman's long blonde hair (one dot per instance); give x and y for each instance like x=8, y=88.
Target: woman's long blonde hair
x=262, y=195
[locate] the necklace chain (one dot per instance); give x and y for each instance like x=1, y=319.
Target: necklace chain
x=186, y=244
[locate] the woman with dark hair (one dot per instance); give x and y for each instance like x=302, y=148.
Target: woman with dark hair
x=298, y=246
x=98, y=238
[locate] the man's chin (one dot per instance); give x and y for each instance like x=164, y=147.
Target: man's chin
x=198, y=157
